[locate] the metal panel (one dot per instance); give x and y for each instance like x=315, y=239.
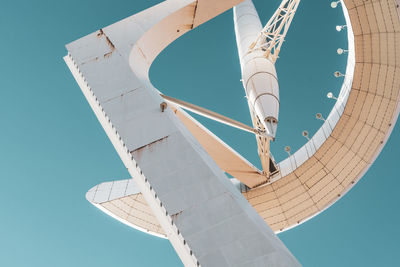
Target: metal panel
x=206, y=219
x=365, y=114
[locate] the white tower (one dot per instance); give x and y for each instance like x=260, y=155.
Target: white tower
x=179, y=190
x=258, y=51
x=207, y=220
x=258, y=70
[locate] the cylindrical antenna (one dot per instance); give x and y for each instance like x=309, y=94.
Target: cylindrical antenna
x=341, y=51
x=319, y=117
x=335, y=4
x=305, y=134
x=330, y=95
x=287, y=149
x=340, y=27
x=338, y=74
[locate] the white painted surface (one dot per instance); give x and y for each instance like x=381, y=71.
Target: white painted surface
x=258, y=73
x=301, y=155
x=204, y=216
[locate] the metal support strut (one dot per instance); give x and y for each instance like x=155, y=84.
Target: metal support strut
x=213, y=115
x=273, y=35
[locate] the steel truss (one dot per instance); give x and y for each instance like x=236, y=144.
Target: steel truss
x=273, y=35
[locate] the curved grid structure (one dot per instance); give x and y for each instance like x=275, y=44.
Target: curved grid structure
x=346, y=145
x=354, y=133
x=314, y=177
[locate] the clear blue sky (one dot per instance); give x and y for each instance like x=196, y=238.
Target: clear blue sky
x=52, y=149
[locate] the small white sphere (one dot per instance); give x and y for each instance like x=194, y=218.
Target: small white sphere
x=340, y=51
x=329, y=95
x=334, y=4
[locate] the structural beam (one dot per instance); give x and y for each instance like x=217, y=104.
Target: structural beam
x=273, y=35
x=212, y=115
x=204, y=216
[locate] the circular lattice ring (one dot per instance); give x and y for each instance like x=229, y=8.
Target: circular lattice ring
x=350, y=139
x=354, y=133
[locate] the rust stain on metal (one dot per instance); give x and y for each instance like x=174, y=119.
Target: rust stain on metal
x=141, y=52
x=108, y=54
x=194, y=14
x=100, y=33
x=163, y=106
x=109, y=43
x=140, y=149
x=176, y=215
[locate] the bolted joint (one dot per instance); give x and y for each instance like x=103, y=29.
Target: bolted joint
x=163, y=106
